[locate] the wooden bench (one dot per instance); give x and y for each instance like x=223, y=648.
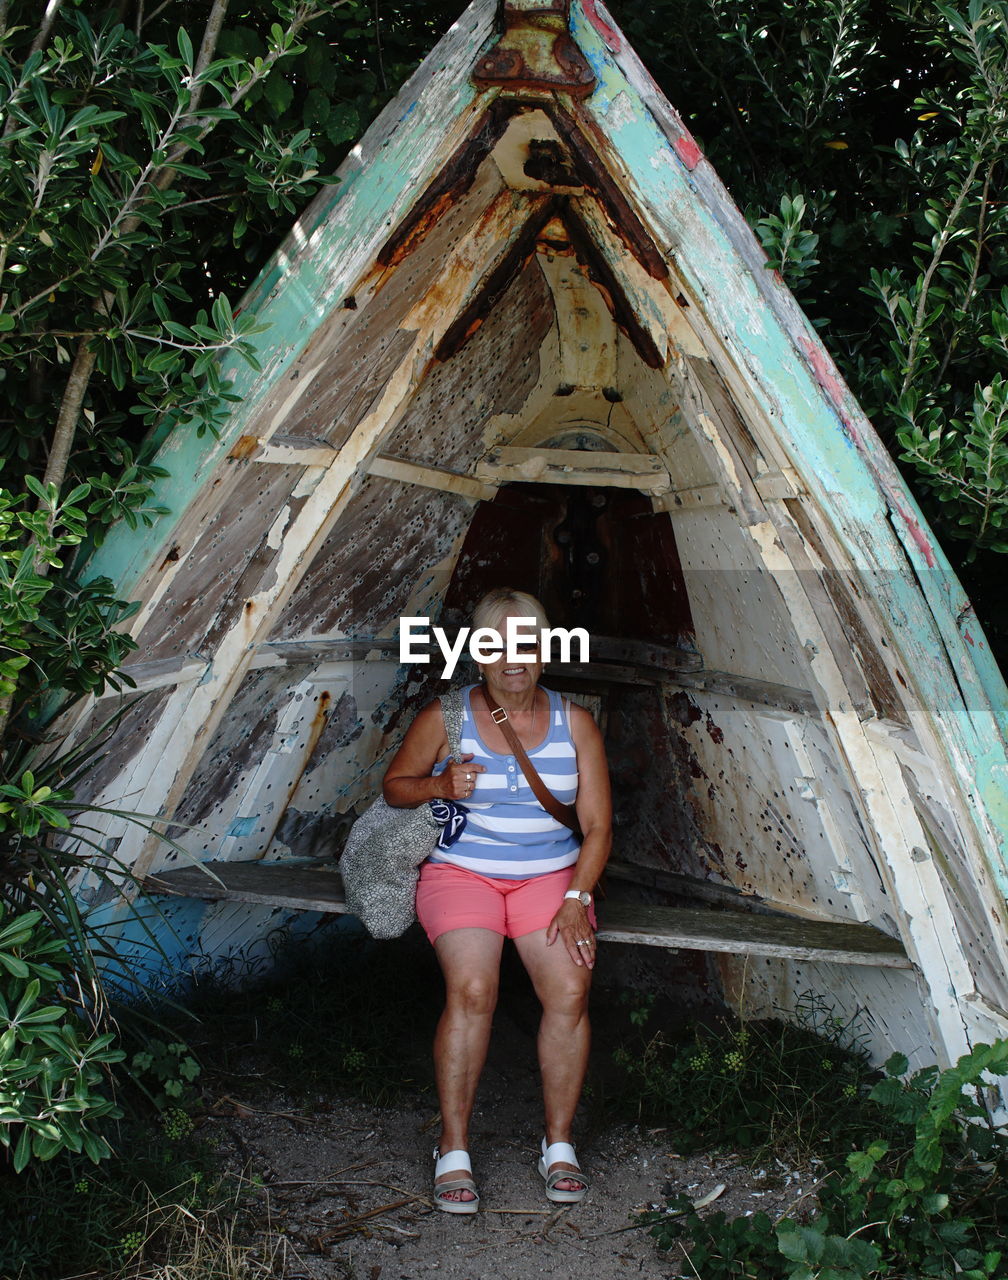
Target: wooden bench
x=300, y=887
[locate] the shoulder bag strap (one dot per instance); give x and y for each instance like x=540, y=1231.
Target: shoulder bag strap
x=564, y=813
x=451, y=713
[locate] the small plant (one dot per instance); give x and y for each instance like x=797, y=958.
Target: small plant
x=927, y=1199
x=177, y=1124
x=130, y=1215
x=790, y=248
x=172, y=1068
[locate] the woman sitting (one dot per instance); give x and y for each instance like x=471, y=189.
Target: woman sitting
x=515, y=872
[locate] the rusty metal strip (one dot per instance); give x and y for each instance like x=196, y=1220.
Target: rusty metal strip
x=496, y=282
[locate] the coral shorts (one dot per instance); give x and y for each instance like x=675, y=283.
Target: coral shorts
x=450, y=898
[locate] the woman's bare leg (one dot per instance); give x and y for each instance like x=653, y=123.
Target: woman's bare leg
x=564, y=1033
x=470, y=961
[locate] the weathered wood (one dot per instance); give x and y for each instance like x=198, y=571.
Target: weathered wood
x=772, y=486
x=689, y=887
x=767, y=693
x=644, y=653
x=161, y=672
x=431, y=478
x=282, y=450
x=299, y=888
x=744, y=933
x=270, y=884
x=570, y=466
x=163, y=768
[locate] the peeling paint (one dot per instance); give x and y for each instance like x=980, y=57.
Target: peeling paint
x=840, y=396
x=687, y=150
x=606, y=30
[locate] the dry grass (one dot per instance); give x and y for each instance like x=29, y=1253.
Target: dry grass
x=176, y=1241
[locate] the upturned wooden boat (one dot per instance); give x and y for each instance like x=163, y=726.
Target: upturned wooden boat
x=529, y=340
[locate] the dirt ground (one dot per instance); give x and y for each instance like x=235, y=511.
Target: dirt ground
x=345, y=1189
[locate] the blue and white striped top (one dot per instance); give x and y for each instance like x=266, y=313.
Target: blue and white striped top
x=508, y=834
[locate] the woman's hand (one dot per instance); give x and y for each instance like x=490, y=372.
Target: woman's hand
x=459, y=779
x=572, y=926
x=408, y=779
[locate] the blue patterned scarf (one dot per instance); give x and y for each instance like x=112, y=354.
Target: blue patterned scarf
x=451, y=817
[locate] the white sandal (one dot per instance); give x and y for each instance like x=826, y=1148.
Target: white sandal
x=444, y=1163
x=561, y=1153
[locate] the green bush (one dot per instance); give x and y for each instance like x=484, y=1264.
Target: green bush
x=926, y=1200
x=53, y=1068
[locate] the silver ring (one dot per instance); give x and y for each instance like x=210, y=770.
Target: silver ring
x=468, y=777
x=582, y=942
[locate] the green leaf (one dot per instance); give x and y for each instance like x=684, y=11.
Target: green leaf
x=22, y=1152
x=185, y=48
x=14, y=965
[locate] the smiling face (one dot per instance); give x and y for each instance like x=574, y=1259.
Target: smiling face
x=507, y=679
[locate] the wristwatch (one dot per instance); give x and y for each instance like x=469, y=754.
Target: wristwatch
x=582, y=896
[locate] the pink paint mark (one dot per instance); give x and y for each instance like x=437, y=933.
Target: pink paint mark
x=919, y=536
x=827, y=378
x=969, y=639
x=687, y=150
x=609, y=34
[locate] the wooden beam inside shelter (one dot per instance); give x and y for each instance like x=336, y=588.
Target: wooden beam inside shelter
x=640, y=471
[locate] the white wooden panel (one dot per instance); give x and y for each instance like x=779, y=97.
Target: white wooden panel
x=883, y=1009
x=742, y=625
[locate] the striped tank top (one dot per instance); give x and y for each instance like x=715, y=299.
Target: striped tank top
x=508, y=834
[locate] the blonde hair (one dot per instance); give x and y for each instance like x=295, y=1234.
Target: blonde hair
x=502, y=601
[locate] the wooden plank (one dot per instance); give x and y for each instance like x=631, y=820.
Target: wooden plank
x=298, y=887
x=644, y=653
x=641, y=471
x=158, y=673
x=432, y=478
x=320, y=649
x=286, y=450
x=692, y=497
x=743, y=933
x=772, y=486
x=766, y=693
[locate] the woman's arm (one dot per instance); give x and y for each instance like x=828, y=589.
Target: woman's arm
x=408, y=782
x=594, y=811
